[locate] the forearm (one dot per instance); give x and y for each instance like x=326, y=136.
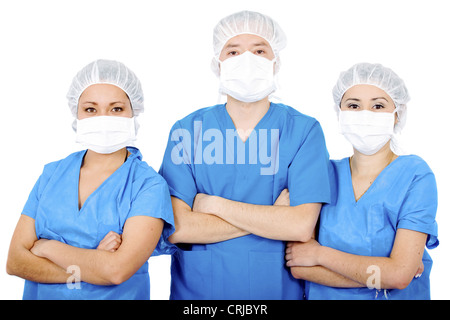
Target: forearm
x=197, y=227
x=385, y=272
x=139, y=238
x=22, y=263
x=324, y=276
x=393, y=272
x=96, y=266
x=273, y=222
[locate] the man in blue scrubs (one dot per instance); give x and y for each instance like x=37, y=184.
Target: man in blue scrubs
x=227, y=165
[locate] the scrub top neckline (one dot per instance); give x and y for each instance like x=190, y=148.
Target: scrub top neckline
x=350, y=182
x=230, y=123
x=79, y=210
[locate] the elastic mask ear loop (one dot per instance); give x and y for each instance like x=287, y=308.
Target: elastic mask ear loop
x=396, y=117
x=276, y=80
x=395, y=142
x=339, y=113
x=273, y=96
x=217, y=73
x=220, y=98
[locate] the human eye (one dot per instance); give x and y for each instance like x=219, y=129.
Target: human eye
x=232, y=53
x=89, y=109
x=352, y=106
x=260, y=52
x=117, y=109
x=378, y=106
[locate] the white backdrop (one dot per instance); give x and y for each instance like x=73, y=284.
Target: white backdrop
x=169, y=46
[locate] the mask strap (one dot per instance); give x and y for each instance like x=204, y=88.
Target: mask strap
x=219, y=98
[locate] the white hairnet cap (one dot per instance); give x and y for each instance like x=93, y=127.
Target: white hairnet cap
x=378, y=76
x=107, y=72
x=247, y=22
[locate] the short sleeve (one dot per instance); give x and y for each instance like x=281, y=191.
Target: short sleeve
x=176, y=167
x=153, y=200
x=32, y=204
x=308, y=175
x=418, y=210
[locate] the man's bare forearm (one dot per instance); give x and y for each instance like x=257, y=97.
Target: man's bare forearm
x=197, y=227
x=269, y=221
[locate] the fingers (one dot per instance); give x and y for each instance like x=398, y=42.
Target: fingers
x=110, y=236
x=283, y=198
x=420, y=270
x=111, y=242
x=288, y=253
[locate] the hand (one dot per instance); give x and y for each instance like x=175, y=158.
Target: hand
x=111, y=242
x=203, y=203
x=38, y=247
x=420, y=270
x=283, y=199
x=302, y=254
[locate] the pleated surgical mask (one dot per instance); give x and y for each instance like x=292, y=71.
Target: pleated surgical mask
x=367, y=131
x=106, y=134
x=247, y=77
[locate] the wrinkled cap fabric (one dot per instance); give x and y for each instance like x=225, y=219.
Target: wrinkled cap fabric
x=378, y=76
x=106, y=72
x=247, y=22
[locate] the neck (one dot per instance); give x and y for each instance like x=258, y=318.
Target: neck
x=362, y=164
x=246, y=113
x=112, y=161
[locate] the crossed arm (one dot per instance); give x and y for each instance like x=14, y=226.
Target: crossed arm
x=115, y=260
x=330, y=267
x=213, y=219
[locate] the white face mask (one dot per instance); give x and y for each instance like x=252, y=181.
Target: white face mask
x=247, y=77
x=106, y=134
x=367, y=131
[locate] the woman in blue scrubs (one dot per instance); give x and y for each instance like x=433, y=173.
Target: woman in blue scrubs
x=94, y=218
x=373, y=234
x=226, y=165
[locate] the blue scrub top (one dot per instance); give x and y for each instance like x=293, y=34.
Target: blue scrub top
x=404, y=195
x=205, y=155
x=134, y=189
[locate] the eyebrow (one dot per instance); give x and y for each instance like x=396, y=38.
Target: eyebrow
x=260, y=44
x=88, y=102
x=355, y=99
x=380, y=98
x=235, y=45
x=231, y=45
x=95, y=103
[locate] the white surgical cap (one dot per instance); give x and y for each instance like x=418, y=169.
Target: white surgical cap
x=247, y=22
x=378, y=76
x=106, y=72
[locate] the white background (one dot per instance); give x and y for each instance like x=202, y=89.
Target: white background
x=168, y=44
